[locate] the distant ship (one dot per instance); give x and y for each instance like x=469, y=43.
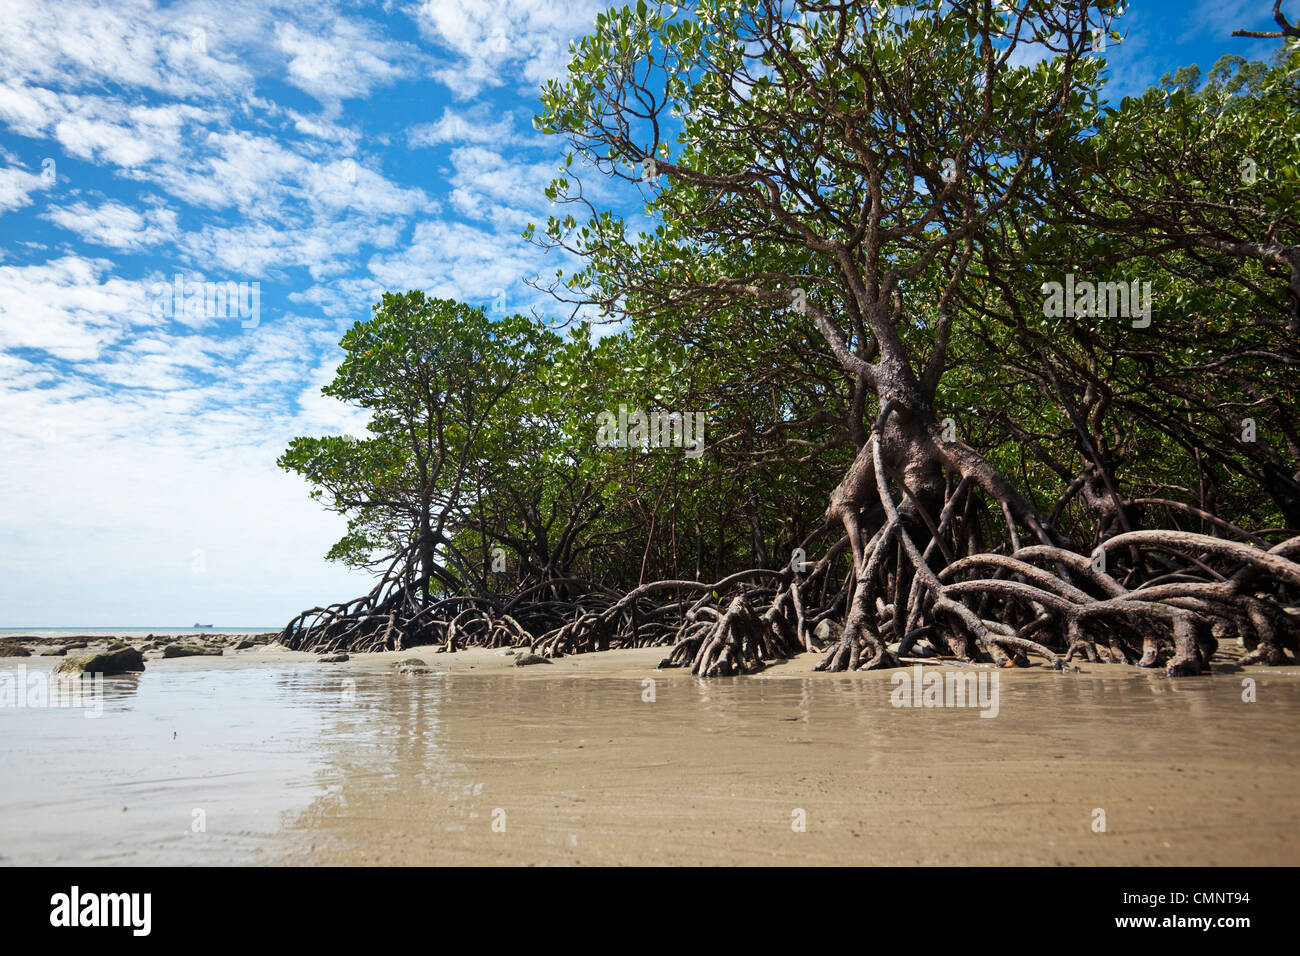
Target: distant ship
x=202, y=625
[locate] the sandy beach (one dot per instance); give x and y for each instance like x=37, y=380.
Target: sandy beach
x=602, y=758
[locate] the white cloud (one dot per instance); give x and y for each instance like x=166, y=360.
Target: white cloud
x=183, y=50
x=349, y=297
x=196, y=156
x=97, y=128
x=116, y=225
x=156, y=511
x=495, y=41
x=348, y=60
x=258, y=249
x=457, y=261
x=160, y=458
x=68, y=307
x=486, y=185
x=130, y=440
x=474, y=125
x=17, y=186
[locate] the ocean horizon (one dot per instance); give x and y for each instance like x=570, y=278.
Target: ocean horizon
x=75, y=631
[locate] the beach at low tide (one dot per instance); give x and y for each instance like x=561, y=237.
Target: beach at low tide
x=264, y=755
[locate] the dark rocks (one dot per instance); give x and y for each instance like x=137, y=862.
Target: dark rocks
x=334, y=659
x=827, y=632
x=918, y=650
x=178, y=650
x=525, y=659
x=14, y=650
x=415, y=669
x=55, y=652
x=125, y=661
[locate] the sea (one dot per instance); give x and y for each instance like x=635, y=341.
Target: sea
x=132, y=632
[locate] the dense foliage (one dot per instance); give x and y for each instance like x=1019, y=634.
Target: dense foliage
x=839, y=215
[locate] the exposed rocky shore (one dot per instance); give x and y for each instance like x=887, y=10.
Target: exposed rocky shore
x=114, y=655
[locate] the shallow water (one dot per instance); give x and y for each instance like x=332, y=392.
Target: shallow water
x=130, y=633
x=303, y=763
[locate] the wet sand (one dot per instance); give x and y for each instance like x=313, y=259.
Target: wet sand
x=295, y=761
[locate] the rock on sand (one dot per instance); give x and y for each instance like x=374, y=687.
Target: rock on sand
x=124, y=661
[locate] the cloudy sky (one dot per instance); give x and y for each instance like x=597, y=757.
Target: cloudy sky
x=325, y=152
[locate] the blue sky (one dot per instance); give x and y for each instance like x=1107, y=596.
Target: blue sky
x=325, y=152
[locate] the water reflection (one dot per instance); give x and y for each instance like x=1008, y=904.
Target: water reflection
x=586, y=771
x=301, y=763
